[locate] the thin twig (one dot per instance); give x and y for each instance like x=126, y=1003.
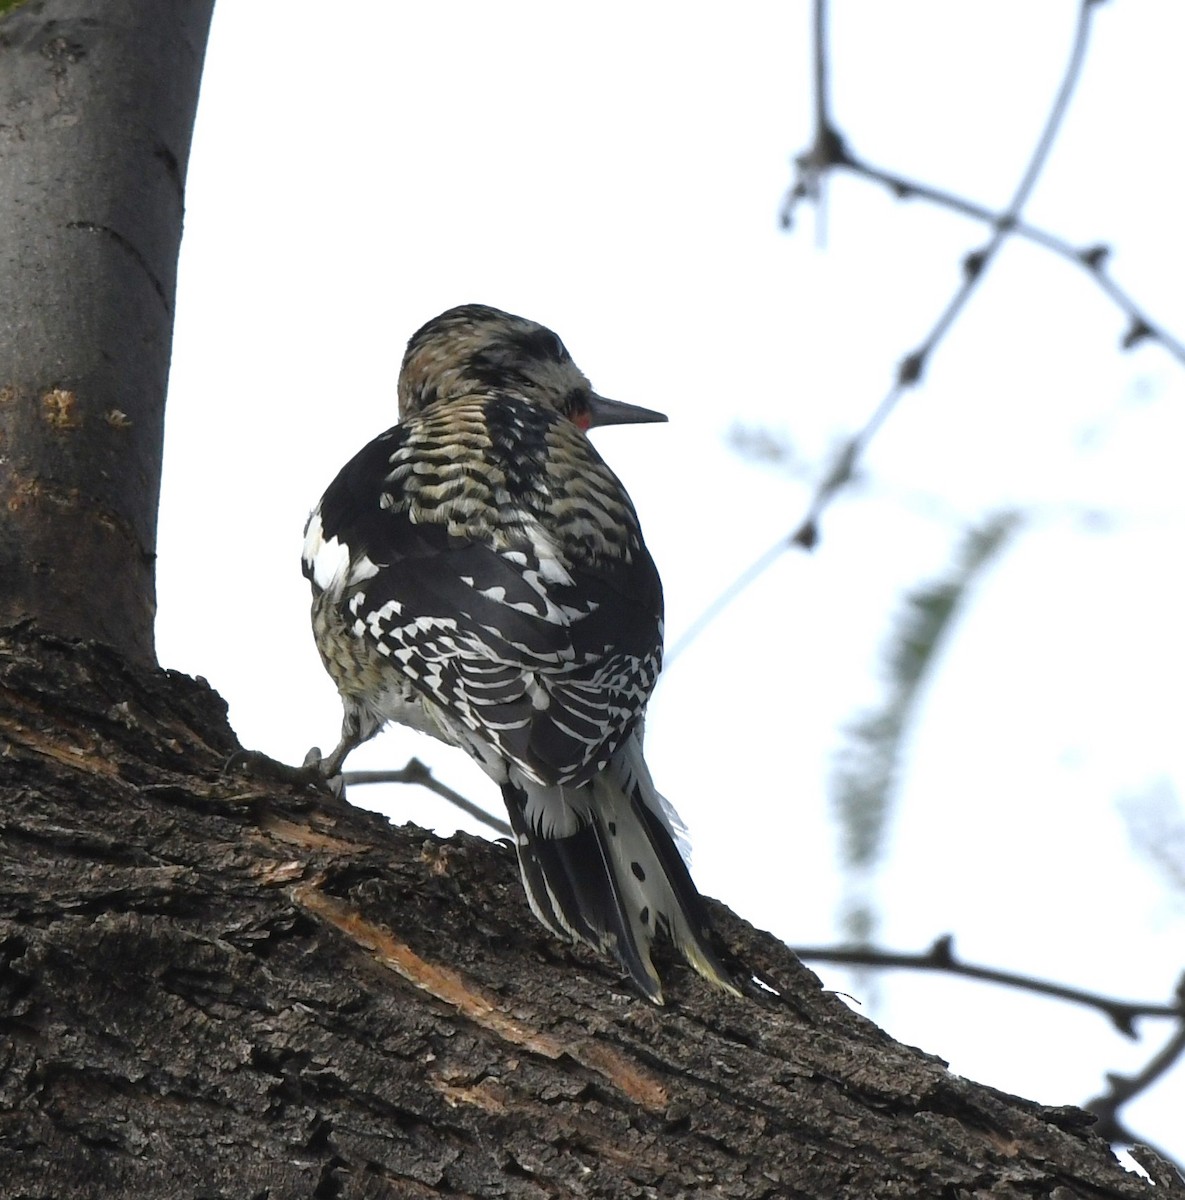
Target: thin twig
x=941, y=957
x=726, y=597
x=416, y=772
x=913, y=366
x=1123, y=1088
x=830, y=150
x=1091, y=259
x=823, y=124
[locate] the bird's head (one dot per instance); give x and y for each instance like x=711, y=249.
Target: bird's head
x=474, y=349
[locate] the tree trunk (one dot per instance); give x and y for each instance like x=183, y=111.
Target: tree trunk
x=97, y=101
x=216, y=984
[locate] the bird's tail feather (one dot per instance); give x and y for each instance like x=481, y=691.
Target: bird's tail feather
x=600, y=864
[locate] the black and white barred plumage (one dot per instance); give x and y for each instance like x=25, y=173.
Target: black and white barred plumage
x=479, y=573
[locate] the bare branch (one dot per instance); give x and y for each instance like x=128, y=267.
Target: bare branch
x=913, y=366
x=415, y=772
x=1122, y=1088
x=827, y=148
x=941, y=957
x=826, y=139
x=830, y=150
x=1091, y=259
x=726, y=597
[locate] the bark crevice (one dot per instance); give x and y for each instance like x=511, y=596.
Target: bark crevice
x=217, y=983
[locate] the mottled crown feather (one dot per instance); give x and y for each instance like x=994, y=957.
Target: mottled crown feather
x=474, y=349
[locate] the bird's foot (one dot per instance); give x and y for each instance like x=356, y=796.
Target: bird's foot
x=325, y=770
x=330, y=768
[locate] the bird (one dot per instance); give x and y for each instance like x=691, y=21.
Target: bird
x=479, y=574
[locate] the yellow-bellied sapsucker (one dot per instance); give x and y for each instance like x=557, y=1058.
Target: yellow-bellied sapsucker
x=478, y=573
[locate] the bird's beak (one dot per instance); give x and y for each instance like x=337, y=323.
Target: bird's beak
x=614, y=412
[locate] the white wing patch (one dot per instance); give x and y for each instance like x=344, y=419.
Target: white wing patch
x=329, y=561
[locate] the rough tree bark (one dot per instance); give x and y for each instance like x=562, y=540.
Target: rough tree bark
x=214, y=984
x=96, y=110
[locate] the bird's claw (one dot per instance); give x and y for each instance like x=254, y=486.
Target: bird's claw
x=317, y=765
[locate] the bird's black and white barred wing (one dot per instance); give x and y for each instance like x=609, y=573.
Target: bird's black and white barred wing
x=545, y=655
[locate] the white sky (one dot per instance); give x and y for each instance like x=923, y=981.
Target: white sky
x=615, y=171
